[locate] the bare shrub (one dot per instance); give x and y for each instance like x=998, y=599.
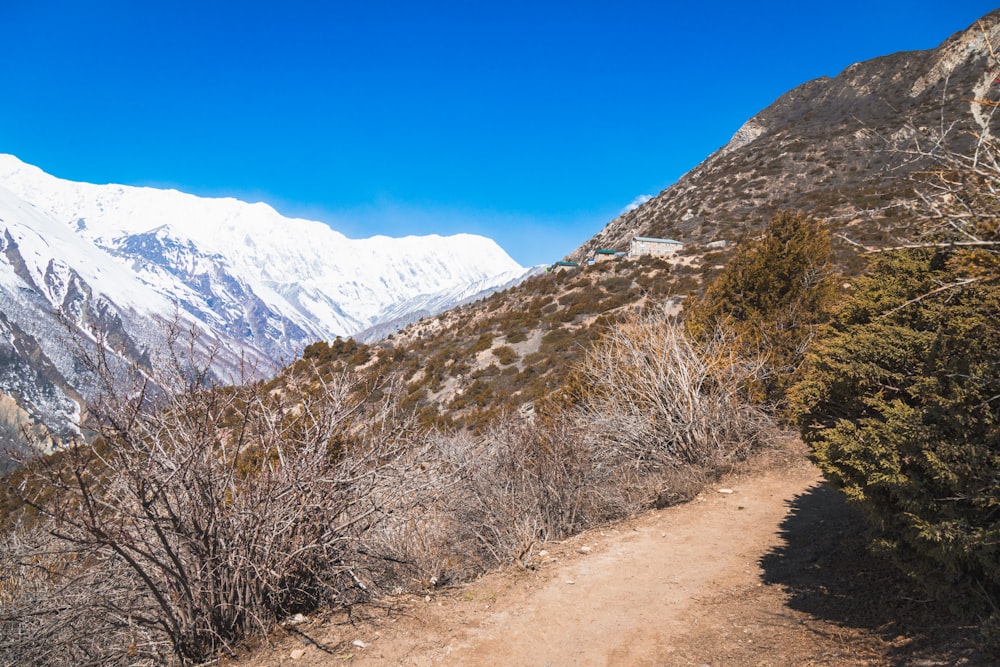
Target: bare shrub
x=56, y=609
x=215, y=510
x=658, y=415
x=498, y=494
x=412, y=545
x=204, y=513
x=653, y=397
x=522, y=483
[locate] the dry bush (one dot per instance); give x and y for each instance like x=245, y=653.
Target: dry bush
x=411, y=546
x=655, y=398
x=209, y=512
x=658, y=414
x=206, y=513
x=56, y=609
x=520, y=483
x=492, y=497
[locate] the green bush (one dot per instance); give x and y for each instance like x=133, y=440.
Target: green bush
x=901, y=404
x=556, y=340
x=772, y=294
x=617, y=284
x=484, y=342
x=517, y=336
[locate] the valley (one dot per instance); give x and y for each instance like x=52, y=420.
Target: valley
x=239, y=438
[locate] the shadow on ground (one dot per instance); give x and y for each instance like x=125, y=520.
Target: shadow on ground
x=829, y=572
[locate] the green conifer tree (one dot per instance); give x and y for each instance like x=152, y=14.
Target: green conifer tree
x=901, y=404
x=772, y=295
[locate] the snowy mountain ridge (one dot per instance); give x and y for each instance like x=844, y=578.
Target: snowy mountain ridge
x=132, y=261
x=199, y=252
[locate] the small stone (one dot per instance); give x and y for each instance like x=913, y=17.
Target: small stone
x=543, y=553
x=298, y=619
x=725, y=490
x=585, y=550
x=297, y=654
x=427, y=598
x=570, y=582
x=359, y=643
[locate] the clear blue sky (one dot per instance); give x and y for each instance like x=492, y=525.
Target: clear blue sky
x=534, y=123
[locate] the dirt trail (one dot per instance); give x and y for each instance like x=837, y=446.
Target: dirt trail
x=632, y=594
x=752, y=575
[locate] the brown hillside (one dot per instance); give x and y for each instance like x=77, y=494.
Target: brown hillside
x=847, y=151
x=839, y=149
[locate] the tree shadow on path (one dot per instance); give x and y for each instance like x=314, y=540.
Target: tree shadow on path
x=830, y=573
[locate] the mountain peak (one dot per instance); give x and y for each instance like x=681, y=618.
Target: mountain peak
x=259, y=248
x=257, y=284
x=834, y=147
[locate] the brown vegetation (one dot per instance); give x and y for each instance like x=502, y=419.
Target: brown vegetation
x=509, y=353
x=209, y=512
x=204, y=514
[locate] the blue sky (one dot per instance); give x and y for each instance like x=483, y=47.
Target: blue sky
x=534, y=123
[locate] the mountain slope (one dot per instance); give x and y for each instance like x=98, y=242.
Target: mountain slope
x=276, y=283
x=134, y=262
x=840, y=149
x=55, y=291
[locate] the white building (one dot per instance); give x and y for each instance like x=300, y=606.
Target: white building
x=643, y=245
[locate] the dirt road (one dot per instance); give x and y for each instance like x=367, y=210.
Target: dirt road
x=765, y=568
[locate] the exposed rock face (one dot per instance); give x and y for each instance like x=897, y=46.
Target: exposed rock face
x=832, y=147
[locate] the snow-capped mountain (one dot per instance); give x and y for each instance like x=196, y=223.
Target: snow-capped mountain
x=132, y=260
x=275, y=282
x=56, y=291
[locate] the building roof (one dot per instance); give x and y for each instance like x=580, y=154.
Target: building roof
x=647, y=238
x=604, y=251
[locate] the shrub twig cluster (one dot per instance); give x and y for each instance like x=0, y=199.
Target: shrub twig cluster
x=201, y=514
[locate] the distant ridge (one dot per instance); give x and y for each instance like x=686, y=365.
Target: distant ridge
x=261, y=287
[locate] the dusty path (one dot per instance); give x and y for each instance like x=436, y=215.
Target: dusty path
x=764, y=573
x=630, y=596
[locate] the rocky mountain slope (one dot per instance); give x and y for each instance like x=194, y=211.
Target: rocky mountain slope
x=841, y=149
x=54, y=292
x=847, y=151
x=131, y=262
